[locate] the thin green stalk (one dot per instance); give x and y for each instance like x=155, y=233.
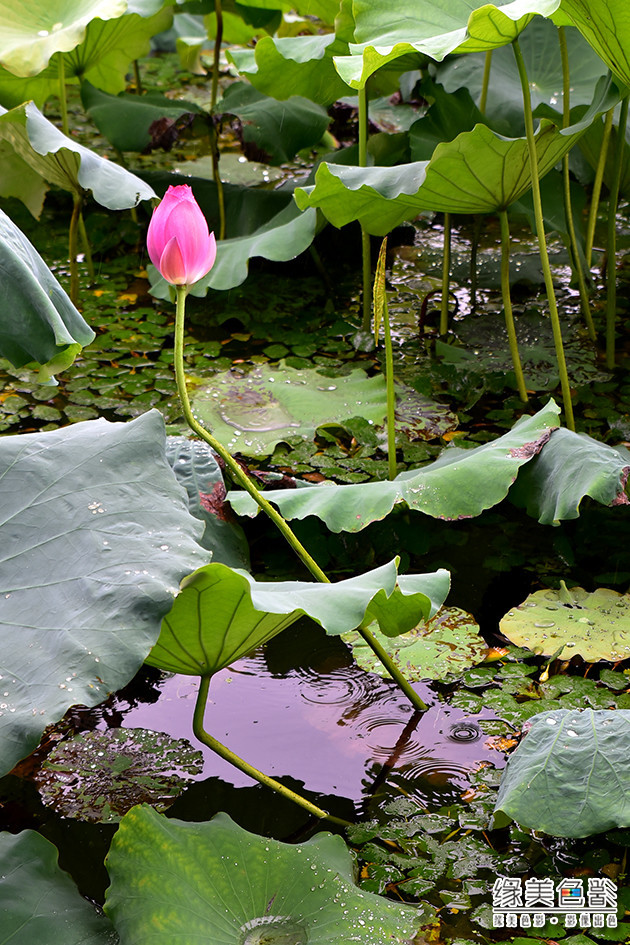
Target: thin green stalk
x=87, y=249
x=214, y=138
x=474, y=252
x=446, y=274
x=72, y=250
x=381, y=313
x=566, y=180
x=507, y=305
x=597, y=188
x=63, y=102
x=246, y=483
x=365, y=236
x=540, y=233
x=242, y=765
x=611, y=247
x=485, y=82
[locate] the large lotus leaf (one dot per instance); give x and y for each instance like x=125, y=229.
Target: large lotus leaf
x=571, y=466
x=384, y=32
x=197, y=470
x=594, y=625
x=449, y=114
x=294, y=65
x=540, y=49
x=98, y=776
x=96, y=536
x=287, y=234
x=479, y=172
x=277, y=129
x=21, y=181
x=33, y=32
x=591, y=144
x=215, y=882
x=569, y=776
x=447, y=643
x=67, y=164
x=605, y=24
x=39, y=325
x=39, y=903
x=459, y=484
x=221, y=615
x=126, y=119
x=252, y=412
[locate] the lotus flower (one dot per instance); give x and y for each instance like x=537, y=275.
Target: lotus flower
x=178, y=241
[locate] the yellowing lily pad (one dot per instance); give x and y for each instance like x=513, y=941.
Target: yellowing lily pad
x=448, y=643
x=594, y=625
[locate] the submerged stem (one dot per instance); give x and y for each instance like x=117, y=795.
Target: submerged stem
x=540, y=233
x=597, y=188
x=242, y=765
x=611, y=247
x=566, y=181
x=365, y=236
x=243, y=480
x=507, y=305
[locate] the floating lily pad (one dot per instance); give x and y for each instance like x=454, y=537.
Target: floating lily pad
x=99, y=776
x=222, y=614
x=181, y=877
x=446, y=644
x=40, y=903
x=569, y=776
x=251, y=413
x=594, y=625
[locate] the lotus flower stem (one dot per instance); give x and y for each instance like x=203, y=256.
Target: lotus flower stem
x=485, y=82
x=446, y=274
x=611, y=241
x=597, y=188
x=242, y=765
x=507, y=305
x=568, y=209
x=63, y=102
x=365, y=236
x=243, y=479
x=540, y=233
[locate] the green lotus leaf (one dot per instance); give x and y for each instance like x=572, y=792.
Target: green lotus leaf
x=221, y=614
x=479, y=172
x=40, y=903
x=254, y=411
x=569, y=775
x=63, y=162
x=605, y=25
x=197, y=470
x=277, y=129
x=594, y=625
x=459, y=484
x=98, y=776
x=39, y=325
x=384, y=33
x=216, y=882
x=21, y=181
x=447, y=643
x=125, y=119
x=572, y=466
x=32, y=33
x=540, y=49
x=295, y=65
x=591, y=144
x=96, y=536
x=284, y=235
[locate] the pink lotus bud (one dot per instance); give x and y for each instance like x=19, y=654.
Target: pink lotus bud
x=178, y=241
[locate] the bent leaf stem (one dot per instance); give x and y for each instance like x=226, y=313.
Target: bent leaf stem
x=566, y=181
x=611, y=241
x=224, y=752
x=507, y=305
x=243, y=479
x=540, y=233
